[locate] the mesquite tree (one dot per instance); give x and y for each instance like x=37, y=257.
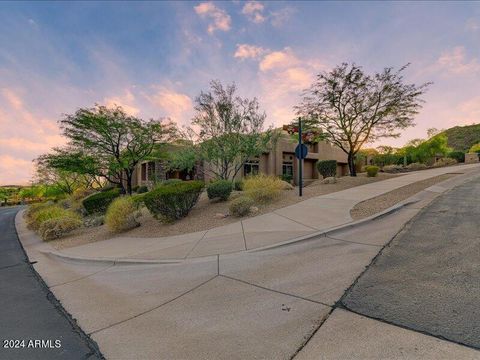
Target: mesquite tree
x=353, y=108
x=114, y=141
x=229, y=130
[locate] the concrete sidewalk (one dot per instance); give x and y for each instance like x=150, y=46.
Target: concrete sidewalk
x=307, y=218
x=268, y=303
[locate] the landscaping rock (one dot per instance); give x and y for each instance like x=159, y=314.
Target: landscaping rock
x=329, y=180
x=220, y=216
x=287, y=186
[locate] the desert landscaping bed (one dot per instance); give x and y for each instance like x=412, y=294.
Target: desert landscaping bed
x=207, y=214
x=377, y=204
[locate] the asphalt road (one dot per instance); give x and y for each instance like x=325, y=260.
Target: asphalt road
x=428, y=278
x=29, y=313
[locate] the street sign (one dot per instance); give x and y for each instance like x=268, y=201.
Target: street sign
x=301, y=151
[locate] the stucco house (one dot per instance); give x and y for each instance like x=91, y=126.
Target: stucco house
x=278, y=161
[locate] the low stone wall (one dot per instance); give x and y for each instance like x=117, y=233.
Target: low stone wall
x=472, y=158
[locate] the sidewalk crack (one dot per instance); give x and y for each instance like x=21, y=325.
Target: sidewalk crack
x=275, y=291
x=154, y=308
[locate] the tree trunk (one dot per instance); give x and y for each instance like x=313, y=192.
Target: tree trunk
x=351, y=164
x=129, y=183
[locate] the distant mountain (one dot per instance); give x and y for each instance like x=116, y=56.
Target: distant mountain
x=462, y=138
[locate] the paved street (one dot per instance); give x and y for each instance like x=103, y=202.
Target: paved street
x=428, y=279
x=28, y=310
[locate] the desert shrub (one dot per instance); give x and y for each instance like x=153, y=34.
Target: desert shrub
x=81, y=193
x=121, y=214
x=241, y=206
x=445, y=162
x=475, y=149
x=327, y=168
x=457, y=155
x=58, y=227
x=36, y=218
x=98, y=202
x=220, y=189
x=416, y=166
x=262, y=188
x=173, y=201
x=108, y=187
x=238, y=185
x=372, y=170
x=138, y=199
x=287, y=178
x=142, y=189
x=171, y=181
x=393, y=169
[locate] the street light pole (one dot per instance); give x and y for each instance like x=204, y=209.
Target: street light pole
x=300, y=160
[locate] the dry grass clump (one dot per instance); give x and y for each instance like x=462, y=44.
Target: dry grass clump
x=122, y=214
x=263, y=189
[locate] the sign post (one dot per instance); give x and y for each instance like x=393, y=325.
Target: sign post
x=301, y=152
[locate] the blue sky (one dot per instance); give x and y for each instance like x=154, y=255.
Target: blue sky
x=153, y=58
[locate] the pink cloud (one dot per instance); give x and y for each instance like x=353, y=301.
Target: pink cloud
x=278, y=59
x=455, y=61
x=15, y=171
x=126, y=101
x=254, y=11
x=246, y=51
x=176, y=105
x=220, y=19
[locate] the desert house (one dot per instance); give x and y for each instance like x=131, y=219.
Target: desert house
x=280, y=161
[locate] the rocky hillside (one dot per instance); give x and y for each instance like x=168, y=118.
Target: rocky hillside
x=463, y=137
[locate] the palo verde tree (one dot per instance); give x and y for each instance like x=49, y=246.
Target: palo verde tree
x=353, y=108
x=112, y=142
x=229, y=130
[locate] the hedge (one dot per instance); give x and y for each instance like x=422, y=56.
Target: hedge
x=220, y=189
x=327, y=168
x=98, y=202
x=457, y=155
x=372, y=170
x=173, y=201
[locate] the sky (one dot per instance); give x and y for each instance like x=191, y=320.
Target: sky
x=154, y=58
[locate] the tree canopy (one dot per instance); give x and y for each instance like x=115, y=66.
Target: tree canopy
x=229, y=130
x=354, y=108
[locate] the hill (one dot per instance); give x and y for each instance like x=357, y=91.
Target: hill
x=462, y=138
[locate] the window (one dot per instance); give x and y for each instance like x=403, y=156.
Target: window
x=151, y=171
x=144, y=172
x=287, y=168
x=251, y=168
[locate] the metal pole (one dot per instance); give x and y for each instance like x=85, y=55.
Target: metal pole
x=300, y=161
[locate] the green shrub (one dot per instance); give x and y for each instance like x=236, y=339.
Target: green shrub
x=142, y=189
x=138, y=199
x=121, y=214
x=98, y=202
x=372, y=170
x=457, y=155
x=220, y=189
x=58, y=227
x=416, y=166
x=238, y=185
x=327, y=168
x=287, y=178
x=262, y=188
x=241, y=206
x=171, y=181
x=475, y=149
x=173, y=201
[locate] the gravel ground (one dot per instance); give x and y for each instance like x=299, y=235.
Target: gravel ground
x=203, y=215
x=375, y=205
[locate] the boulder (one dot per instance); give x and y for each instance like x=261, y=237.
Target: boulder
x=329, y=180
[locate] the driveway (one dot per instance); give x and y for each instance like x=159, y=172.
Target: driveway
x=29, y=312
x=428, y=279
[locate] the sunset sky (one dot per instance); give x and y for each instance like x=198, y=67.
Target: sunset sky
x=154, y=58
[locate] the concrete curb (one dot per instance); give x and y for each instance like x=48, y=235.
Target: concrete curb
x=321, y=233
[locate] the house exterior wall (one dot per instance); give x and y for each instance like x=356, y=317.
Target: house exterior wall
x=272, y=163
